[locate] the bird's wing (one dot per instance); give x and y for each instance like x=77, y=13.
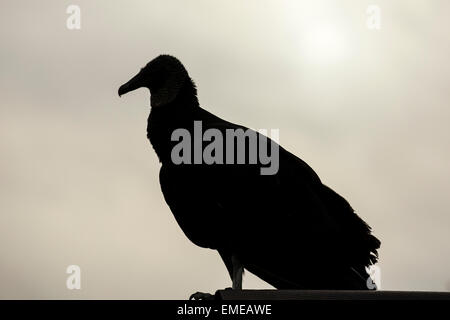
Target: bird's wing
x=289, y=228
x=284, y=226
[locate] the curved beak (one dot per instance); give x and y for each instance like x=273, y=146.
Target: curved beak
x=133, y=84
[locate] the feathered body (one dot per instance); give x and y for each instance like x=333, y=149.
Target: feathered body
x=289, y=229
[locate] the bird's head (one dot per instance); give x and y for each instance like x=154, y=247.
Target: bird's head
x=164, y=76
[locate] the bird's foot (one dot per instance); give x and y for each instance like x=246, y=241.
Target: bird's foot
x=201, y=296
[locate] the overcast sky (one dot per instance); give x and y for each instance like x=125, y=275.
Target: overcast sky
x=367, y=109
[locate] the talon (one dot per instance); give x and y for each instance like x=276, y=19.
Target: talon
x=201, y=296
x=193, y=296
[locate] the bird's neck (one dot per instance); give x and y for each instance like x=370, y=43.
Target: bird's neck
x=163, y=120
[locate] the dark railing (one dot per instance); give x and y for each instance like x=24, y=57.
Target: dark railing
x=329, y=295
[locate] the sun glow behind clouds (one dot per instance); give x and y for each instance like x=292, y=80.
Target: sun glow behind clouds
x=320, y=34
x=324, y=43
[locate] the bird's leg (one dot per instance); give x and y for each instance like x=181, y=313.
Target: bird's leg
x=238, y=270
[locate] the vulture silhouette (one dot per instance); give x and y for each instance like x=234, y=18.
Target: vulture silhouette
x=287, y=228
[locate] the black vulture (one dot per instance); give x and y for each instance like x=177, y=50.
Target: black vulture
x=286, y=227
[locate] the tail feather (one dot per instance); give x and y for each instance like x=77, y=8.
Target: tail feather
x=363, y=245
